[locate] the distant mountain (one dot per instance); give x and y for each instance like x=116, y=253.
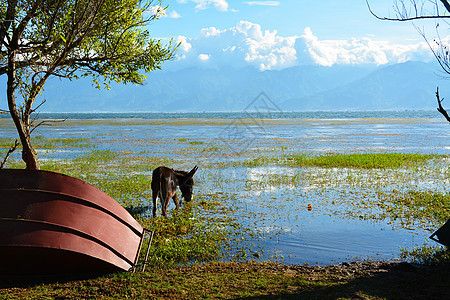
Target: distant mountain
x=409, y=85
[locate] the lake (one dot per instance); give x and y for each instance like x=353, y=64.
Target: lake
x=271, y=202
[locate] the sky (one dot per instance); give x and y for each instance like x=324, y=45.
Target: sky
x=273, y=35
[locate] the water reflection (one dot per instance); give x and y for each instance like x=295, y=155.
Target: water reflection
x=270, y=179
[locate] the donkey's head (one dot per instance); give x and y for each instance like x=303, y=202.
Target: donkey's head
x=186, y=183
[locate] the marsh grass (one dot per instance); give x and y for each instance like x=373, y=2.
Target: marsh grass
x=358, y=184
x=6, y=143
x=428, y=255
x=338, y=160
x=41, y=142
x=209, y=229
x=184, y=140
x=393, y=187
x=416, y=206
x=198, y=232
x=182, y=239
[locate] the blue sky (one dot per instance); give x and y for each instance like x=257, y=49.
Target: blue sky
x=272, y=35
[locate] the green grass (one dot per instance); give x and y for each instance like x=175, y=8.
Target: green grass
x=185, y=236
x=417, y=205
x=250, y=280
x=41, y=142
x=337, y=160
x=428, y=255
x=184, y=140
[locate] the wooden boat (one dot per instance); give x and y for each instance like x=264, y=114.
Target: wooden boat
x=51, y=223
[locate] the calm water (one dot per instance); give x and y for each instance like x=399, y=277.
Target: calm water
x=276, y=212
x=236, y=115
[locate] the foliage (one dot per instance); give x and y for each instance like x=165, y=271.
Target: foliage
x=104, y=39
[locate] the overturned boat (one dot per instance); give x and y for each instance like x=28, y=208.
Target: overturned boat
x=52, y=223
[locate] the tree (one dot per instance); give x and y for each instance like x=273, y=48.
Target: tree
x=103, y=39
x=413, y=10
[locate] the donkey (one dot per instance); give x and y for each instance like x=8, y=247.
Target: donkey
x=164, y=186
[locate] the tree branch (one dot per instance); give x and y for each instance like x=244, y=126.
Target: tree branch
x=11, y=150
x=441, y=54
x=45, y=122
x=403, y=17
x=440, y=108
x=446, y=5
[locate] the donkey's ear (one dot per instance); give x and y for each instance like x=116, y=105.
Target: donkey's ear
x=192, y=172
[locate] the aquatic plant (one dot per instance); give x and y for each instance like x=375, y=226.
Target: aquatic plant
x=339, y=160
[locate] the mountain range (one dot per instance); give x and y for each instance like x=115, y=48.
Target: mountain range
x=405, y=86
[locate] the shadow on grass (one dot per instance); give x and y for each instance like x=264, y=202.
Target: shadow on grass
x=356, y=280
x=19, y=281
x=393, y=281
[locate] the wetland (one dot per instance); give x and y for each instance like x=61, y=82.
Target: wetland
x=269, y=190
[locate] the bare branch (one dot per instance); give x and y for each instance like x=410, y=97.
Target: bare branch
x=11, y=150
x=446, y=5
x=403, y=14
x=37, y=107
x=441, y=54
x=46, y=123
x=440, y=108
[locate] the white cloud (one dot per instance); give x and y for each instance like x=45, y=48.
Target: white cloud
x=220, y=5
x=248, y=44
x=174, y=15
x=185, y=46
x=204, y=57
x=267, y=3
x=265, y=49
x=360, y=51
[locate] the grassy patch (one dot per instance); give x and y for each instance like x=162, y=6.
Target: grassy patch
x=252, y=280
x=184, y=140
x=192, y=234
x=411, y=206
x=182, y=238
x=428, y=255
x=337, y=160
x=41, y=142
x=406, y=209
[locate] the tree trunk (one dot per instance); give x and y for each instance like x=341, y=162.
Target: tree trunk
x=28, y=153
x=22, y=124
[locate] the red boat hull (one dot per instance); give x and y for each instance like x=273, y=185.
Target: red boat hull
x=53, y=223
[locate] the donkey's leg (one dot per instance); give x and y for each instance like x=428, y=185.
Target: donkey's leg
x=175, y=199
x=155, y=195
x=164, y=205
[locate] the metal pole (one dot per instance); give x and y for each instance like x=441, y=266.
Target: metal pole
x=148, y=250
x=136, y=260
